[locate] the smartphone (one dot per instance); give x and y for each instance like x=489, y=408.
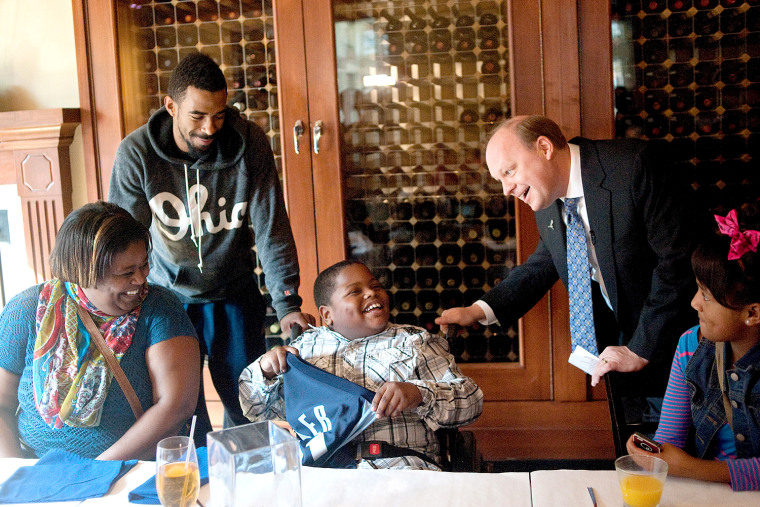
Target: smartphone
x=646, y=443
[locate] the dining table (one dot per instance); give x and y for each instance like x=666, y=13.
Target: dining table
x=327, y=487
x=569, y=488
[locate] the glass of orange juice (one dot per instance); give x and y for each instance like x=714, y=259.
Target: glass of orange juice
x=177, y=477
x=641, y=479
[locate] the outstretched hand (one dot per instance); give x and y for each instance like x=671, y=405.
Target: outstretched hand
x=302, y=319
x=395, y=397
x=617, y=358
x=464, y=316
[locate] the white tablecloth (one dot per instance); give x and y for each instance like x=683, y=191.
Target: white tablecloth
x=351, y=488
x=568, y=488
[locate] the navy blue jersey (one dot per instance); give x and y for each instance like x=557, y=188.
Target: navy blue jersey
x=326, y=412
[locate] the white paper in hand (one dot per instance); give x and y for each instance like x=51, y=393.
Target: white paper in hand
x=583, y=359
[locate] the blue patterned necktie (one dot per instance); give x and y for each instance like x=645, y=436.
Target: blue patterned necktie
x=579, y=281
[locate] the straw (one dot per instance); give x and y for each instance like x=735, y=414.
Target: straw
x=185, y=490
x=192, y=430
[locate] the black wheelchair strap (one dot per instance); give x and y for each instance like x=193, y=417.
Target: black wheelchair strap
x=375, y=449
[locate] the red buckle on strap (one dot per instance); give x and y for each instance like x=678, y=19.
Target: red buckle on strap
x=374, y=449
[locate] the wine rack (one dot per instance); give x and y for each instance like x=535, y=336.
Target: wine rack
x=423, y=212
x=690, y=77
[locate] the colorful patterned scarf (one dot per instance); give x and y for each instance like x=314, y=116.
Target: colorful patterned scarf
x=70, y=378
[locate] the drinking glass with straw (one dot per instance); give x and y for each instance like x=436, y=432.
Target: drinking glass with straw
x=177, y=476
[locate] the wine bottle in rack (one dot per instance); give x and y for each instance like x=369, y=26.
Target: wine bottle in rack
x=654, y=27
x=706, y=73
x=489, y=37
x=473, y=253
x=451, y=298
x=427, y=278
x=679, y=25
x=681, y=74
x=706, y=22
x=416, y=21
x=472, y=230
x=402, y=232
x=416, y=42
x=440, y=41
x=679, y=5
x=489, y=62
x=468, y=115
x=164, y=14
x=186, y=12
x=471, y=207
x=402, y=211
x=428, y=300
x=395, y=43
x=655, y=101
x=404, y=300
x=655, y=125
x=706, y=98
x=498, y=229
x=681, y=124
x=488, y=18
x=449, y=231
x=392, y=23
x=187, y=35
x=426, y=255
x=464, y=39
x=465, y=20
x=403, y=255
x=235, y=78
x=229, y=9
x=496, y=206
x=474, y=277
x=449, y=254
x=451, y=278
x=208, y=10
x=439, y=20
x=707, y=123
x=403, y=278
x=383, y=275
x=447, y=207
x=653, y=6
x=706, y=4
x=166, y=37
x=495, y=274
x=427, y=321
x=425, y=231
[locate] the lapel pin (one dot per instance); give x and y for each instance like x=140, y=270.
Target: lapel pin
x=551, y=224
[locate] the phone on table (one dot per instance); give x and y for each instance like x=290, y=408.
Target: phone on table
x=646, y=443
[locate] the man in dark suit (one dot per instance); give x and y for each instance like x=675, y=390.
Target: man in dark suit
x=639, y=234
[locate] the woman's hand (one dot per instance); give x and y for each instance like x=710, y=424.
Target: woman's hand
x=682, y=464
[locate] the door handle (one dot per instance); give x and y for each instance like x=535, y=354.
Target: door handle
x=297, y=133
x=317, y=135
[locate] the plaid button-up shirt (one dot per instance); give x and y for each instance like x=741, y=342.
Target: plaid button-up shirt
x=401, y=353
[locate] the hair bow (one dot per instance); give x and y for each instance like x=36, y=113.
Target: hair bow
x=741, y=241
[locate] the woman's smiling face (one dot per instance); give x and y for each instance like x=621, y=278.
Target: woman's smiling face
x=359, y=306
x=119, y=291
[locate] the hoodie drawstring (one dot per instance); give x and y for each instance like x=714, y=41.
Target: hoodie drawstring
x=193, y=235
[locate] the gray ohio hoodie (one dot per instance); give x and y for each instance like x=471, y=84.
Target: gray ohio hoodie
x=197, y=211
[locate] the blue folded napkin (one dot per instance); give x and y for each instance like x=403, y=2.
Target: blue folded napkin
x=60, y=476
x=146, y=492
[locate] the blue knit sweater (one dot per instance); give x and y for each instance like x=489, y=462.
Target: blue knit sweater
x=161, y=317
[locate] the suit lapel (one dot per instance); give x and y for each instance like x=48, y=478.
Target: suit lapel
x=599, y=206
x=551, y=227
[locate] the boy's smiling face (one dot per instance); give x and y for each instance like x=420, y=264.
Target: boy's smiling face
x=359, y=306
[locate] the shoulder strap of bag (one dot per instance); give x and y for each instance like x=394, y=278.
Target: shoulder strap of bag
x=113, y=364
x=720, y=364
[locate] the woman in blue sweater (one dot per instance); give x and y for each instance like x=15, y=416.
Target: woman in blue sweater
x=56, y=390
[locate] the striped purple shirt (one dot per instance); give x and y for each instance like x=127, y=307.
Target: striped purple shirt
x=675, y=420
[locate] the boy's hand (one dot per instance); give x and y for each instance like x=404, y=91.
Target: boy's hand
x=395, y=397
x=274, y=362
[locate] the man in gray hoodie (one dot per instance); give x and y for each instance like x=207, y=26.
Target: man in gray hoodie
x=194, y=175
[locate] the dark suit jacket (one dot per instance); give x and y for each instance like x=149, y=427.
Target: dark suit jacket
x=642, y=227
